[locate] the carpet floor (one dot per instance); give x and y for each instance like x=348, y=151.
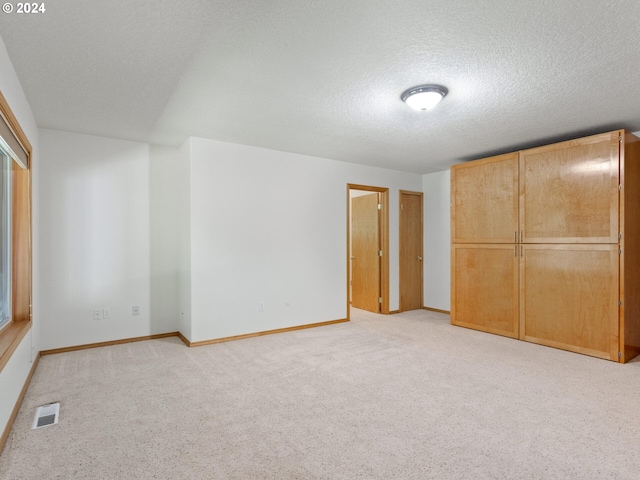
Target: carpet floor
x=406, y=396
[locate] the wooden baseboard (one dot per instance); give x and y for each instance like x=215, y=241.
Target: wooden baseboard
x=267, y=332
x=184, y=339
x=16, y=408
x=107, y=344
x=425, y=308
x=437, y=310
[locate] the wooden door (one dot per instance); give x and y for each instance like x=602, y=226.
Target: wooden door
x=411, y=265
x=484, y=288
x=365, y=259
x=484, y=206
x=569, y=191
x=569, y=297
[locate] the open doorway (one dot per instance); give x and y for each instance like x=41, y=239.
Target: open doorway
x=368, y=248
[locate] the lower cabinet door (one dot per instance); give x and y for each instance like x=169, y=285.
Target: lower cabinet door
x=484, y=290
x=569, y=297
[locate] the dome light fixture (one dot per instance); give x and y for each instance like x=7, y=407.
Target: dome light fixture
x=424, y=97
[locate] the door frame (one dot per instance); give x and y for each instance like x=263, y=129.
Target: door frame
x=383, y=225
x=400, y=238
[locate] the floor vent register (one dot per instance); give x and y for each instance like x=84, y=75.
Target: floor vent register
x=46, y=415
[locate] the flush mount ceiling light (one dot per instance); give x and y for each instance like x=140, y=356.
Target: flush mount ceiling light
x=424, y=97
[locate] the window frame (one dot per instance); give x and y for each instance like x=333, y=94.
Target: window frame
x=6, y=166
x=21, y=250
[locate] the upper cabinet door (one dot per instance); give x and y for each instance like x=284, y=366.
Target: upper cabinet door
x=484, y=200
x=569, y=191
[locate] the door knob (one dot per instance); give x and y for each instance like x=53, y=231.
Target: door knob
x=419, y=259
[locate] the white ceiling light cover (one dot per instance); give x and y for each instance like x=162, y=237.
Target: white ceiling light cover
x=424, y=97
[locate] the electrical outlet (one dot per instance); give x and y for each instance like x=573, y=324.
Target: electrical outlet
x=106, y=313
x=261, y=306
x=135, y=310
x=97, y=314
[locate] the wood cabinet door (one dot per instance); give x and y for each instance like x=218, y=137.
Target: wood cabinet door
x=569, y=191
x=484, y=200
x=569, y=297
x=484, y=290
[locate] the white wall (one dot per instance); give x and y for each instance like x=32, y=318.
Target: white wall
x=271, y=226
x=14, y=374
x=95, y=239
x=13, y=378
x=437, y=238
x=183, y=226
x=163, y=170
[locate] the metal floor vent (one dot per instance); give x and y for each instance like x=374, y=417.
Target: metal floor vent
x=46, y=415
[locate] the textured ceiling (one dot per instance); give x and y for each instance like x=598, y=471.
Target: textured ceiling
x=324, y=78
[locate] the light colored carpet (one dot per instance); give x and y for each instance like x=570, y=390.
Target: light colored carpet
x=383, y=397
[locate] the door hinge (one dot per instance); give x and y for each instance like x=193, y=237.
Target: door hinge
x=619, y=303
x=620, y=138
x=379, y=299
x=620, y=236
x=619, y=251
x=620, y=187
x=379, y=206
x=619, y=354
x=379, y=253
x=401, y=206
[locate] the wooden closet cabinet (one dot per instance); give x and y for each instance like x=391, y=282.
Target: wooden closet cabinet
x=484, y=211
x=567, y=263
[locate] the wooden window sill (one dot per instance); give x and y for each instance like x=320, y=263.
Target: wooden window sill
x=10, y=338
